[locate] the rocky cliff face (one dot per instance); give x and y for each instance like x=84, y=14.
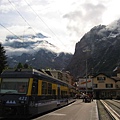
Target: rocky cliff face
x=99, y=49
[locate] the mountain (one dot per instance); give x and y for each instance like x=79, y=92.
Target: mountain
x=43, y=59
x=97, y=51
x=36, y=51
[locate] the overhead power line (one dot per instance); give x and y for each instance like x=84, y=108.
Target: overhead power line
x=21, y=15
x=43, y=21
x=37, y=16
x=10, y=31
x=14, y=34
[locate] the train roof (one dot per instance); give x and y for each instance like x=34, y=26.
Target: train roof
x=17, y=73
x=27, y=73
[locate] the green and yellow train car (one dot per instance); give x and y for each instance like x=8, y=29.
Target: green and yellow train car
x=29, y=92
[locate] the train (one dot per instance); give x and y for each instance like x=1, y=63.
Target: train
x=29, y=92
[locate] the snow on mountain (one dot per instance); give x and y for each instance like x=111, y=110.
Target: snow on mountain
x=113, y=29
x=115, y=25
x=17, y=45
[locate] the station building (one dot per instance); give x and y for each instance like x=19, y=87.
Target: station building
x=102, y=86
x=105, y=87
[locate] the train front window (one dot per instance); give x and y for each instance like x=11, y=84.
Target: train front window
x=14, y=85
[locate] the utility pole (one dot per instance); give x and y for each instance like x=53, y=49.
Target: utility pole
x=92, y=79
x=86, y=76
x=86, y=51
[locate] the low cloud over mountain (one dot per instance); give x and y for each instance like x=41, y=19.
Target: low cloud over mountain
x=36, y=51
x=17, y=45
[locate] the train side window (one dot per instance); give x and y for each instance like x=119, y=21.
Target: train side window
x=35, y=86
x=49, y=88
x=54, y=92
x=44, y=87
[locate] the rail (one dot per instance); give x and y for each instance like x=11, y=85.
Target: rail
x=111, y=111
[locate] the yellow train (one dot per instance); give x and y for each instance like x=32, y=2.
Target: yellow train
x=28, y=92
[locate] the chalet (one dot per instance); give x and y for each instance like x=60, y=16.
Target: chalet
x=105, y=86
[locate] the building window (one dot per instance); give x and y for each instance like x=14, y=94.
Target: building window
x=109, y=85
x=116, y=86
x=95, y=85
x=101, y=79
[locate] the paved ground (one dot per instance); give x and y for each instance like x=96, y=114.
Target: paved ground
x=75, y=111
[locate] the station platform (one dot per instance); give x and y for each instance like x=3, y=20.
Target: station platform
x=78, y=110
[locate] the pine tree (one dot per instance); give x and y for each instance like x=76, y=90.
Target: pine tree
x=3, y=58
x=19, y=65
x=26, y=65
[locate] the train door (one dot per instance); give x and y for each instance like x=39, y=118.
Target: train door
x=34, y=92
x=58, y=92
x=35, y=87
x=54, y=91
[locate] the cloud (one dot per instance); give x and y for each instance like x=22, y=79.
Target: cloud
x=17, y=51
x=64, y=21
x=5, y=7
x=84, y=18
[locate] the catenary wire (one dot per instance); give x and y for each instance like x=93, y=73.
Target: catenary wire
x=10, y=31
x=37, y=16
x=14, y=34
x=21, y=15
x=43, y=21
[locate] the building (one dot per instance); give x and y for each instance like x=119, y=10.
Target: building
x=105, y=87
x=101, y=85
x=64, y=76
x=57, y=74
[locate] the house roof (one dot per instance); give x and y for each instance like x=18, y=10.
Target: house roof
x=106, y=76
x=100, y=74
x=118, y=70
x=116, y=78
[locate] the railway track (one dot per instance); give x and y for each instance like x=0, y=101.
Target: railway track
x=112, y=108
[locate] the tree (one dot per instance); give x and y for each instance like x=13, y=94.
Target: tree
x=3, y=58
x=25, y=65
x=19, y=65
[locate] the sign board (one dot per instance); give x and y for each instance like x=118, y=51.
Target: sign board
x=82, y=83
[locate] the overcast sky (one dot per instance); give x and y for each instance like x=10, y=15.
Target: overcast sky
x=64, y=21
